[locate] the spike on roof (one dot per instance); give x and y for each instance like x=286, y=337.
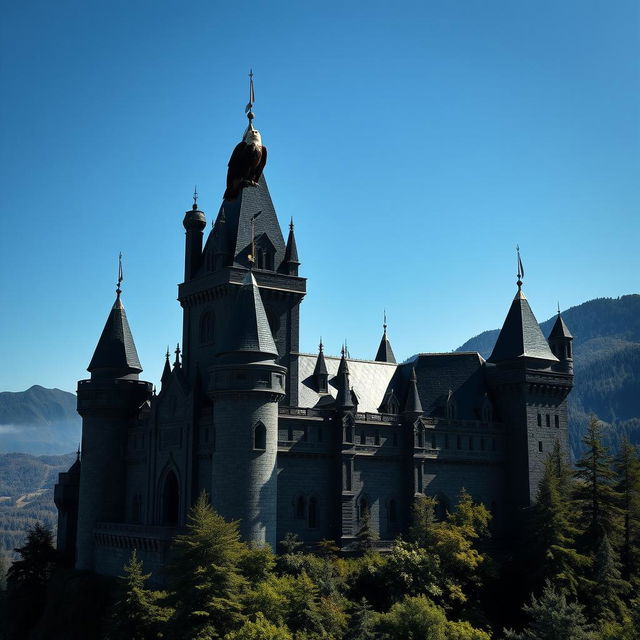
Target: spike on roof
x=115, y=355
x=412, y=402
x=520, y=335
x=166, y=372
x=385, y=352
x=249, y=327
x=560, y=329
x=343, y=397
x=291, y=250
x=321, y=365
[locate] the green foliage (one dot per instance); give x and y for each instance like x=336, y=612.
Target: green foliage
x=607, y=588
x=3, y=572
x=367, y=535
x=137, y=614
x=290, y=544
x=205, y=579
x=595, y=495
x=553, y=618
x=419, y=618
x=361, y=622
x=259, y=629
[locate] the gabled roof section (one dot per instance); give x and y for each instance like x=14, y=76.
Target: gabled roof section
x=235, y=230
x=560, y=329
x=115, y=355
x=249, y=327
x=521, y=336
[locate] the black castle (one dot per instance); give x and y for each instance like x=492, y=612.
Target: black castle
x=292, y=442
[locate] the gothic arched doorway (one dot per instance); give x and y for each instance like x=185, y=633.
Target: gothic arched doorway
x=170, y=499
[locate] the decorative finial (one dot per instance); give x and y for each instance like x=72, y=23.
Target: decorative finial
x=177, y=352
x=166, y=355
x=252, y=98
x=346, y=348
x=343, y=351
x=78, y=452
x=120, y=276
x=558, y=307
x=154, y=390
x=252, y=256
x=195, y=197
x=321, y=346
x=291, y=224
x=384, y=323
x=520, y=269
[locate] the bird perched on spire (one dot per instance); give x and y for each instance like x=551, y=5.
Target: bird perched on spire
x=248, y=158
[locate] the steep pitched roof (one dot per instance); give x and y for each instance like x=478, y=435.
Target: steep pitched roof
x=249, y=326
x=115, y=354
x=385, y=352
x=412, y=402
x=291, y=250
x=560, y=329
x=520, y=335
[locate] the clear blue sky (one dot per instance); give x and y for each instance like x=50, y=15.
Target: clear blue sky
x=414, y=143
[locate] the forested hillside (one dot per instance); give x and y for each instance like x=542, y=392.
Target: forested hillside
x=606, y=334
x=26, y=494
x=38, y=421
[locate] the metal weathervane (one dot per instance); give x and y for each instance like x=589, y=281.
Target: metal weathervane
x=120, y=276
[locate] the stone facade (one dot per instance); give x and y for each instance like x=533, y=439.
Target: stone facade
x=293, y=442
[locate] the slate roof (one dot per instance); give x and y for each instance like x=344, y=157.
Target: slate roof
x=438, y=373
x=249, y=329
x=115, y=352
x=291, y=250
x=237, y=224
x=368, y=379
x=520, y=335
x=560, y=329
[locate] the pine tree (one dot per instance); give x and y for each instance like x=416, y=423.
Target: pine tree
x=361, y=624
x=552, y=548
x=423, y=520
x=608, y=588
x=205, y=581
x=366, y=535
x=627, y=467
x=136, y=614
x=595, y=495
x=553, y=618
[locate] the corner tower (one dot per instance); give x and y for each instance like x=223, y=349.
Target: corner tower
x=530, y=388
x=246, y=384
x=108, y=403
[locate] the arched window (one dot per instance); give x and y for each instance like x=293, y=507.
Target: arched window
x=348, y=433
x=206, y=327
x=487, y=410
x=300, y=508
x=363, y=437
x=451, y=406
x=260, y=437
x=313, y=513
x=420, y=437
x=170, y=499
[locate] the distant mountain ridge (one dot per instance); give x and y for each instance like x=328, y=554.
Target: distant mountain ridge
x=606, y=349
x=39, y=421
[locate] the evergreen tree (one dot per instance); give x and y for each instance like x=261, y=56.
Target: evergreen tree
x=553, y=532
x=553, y=618
x=595, y=495
x=206, y=583
x=627, y=467
x=366, y=535
x=423, y=520
x=136, y=613
x=3, y=572
x=608, y=588
x=259, y=629
x=361, y=624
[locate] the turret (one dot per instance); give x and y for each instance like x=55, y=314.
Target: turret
x=246, y=385
x=320, y=372
x=194, y=223
x=108, y=403
x=290, y=263
x=66, y=495
x=412, y=405
x=385, y=352
x=344, y=400
x=560, y=341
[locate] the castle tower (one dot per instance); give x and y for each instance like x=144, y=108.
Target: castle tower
x=246, y=385
x=385, y=352
x=108, y=403
x=560, y=341
x=530, y=388
x=65, y=496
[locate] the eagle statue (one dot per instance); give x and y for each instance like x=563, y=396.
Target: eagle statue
x=246, y=163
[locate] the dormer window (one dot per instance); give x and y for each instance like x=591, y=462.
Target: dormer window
x=265, y=253
x=451, y=407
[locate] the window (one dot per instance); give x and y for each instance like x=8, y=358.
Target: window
x=569, y=350
x=363, y=507
x=434, y=442
x=548, y=420
x=206, y=327
x=420, y=438
x=347, y=475
x=305, y=434
x=260, y=437
x=540, y=446
x=451, y=406
x=363, y=437
x=290, y=434
x=494, y=444
x=377, y=438
x=312, y=518
x=170, y=499
x=442, y=508
x=136, y=509
x=300, y=508
x=322, y=383
x=539, y=419
x=348, y=433
x=557, y=421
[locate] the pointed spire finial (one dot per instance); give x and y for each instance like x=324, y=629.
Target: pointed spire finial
x=321, y=346
x=252, y=98
x=343, y=351
x=195, y=197
x=177, y=352
x=78, y=452
x=291, y=224
x=120, y=276
x=558, y=307
x=346, y=348
x=166, y=355
x=384, y=323
x=520, y=269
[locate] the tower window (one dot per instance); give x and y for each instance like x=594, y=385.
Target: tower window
x=313, y=513
x=322, y=383
x=289, y=434
x=206, y=327
x=569, y=350
x=347, y=475
x=539, y=419
x=548, y=420
x=348, y=433
x=420, y=438
x=540, y=446
x=260, y=437
x=557, y=421
x=300, y=508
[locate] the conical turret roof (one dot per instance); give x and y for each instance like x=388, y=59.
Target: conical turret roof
x=115, y=355
x=385, y=352
x=560, y=329
x=521, y=335
x=412, y=402
x=343, y=397
x=249, y=327
x=321, y=365
x=291, y=250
